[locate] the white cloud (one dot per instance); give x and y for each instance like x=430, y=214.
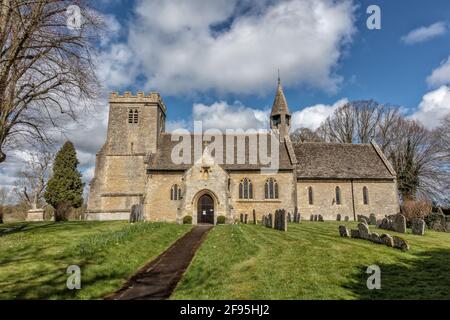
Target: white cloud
x=423, y=34
x=179, y=46
x=222, y=116
x=441, y=75
x=434, y=106
x=312, y=117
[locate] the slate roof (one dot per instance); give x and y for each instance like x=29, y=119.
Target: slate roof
x=341, y=161
x=162, y=160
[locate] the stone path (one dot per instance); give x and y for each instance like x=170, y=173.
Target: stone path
x=158, y=279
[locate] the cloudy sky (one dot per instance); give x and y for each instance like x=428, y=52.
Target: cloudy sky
x=217, y=61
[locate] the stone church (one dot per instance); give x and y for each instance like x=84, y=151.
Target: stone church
x=136, y=166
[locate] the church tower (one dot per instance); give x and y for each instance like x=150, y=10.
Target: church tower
x=280, y=117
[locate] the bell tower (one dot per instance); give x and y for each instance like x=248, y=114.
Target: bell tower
x=280, y=118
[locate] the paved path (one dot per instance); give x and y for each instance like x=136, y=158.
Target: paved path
x=158, y=279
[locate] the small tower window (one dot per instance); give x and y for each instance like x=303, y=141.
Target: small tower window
x=175, y=193
x=338, y=195
x=271, y=189
x=133, y=116
x=245, y=189
x=366, y=196
x=310, y=196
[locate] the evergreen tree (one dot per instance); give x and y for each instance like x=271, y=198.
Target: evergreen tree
x=65, y=188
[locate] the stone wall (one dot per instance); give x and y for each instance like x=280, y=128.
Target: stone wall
x=286, y=190
x=158, y=206
x=382, y=198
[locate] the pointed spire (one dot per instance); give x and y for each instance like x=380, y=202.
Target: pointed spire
x=280, y=105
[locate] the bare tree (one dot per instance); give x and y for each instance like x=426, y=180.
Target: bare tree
x=304, y=135
x=4, y=195
x=46, y=68
x=32, y=181
x=416, y=155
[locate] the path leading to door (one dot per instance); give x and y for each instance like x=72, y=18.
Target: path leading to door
x=158, y=279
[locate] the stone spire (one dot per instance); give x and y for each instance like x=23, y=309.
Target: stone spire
x=280, y=118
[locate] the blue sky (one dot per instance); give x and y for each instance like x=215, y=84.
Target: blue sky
x=376, y=64
x=217, y=61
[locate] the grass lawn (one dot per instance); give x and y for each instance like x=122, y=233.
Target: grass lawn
x=311, y=261
x=34, y=256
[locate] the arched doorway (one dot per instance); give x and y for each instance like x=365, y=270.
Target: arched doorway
x=205, y=209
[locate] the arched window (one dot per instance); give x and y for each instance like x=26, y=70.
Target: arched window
x=245, y=189
x=310, y=196
x=271, y=189
x=338, y=195
x=133, y=116
x=365, y=196
x=175, y=193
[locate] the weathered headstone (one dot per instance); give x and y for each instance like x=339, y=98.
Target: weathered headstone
x=418, y=227
x=242, y=218
x=321, y=218
x=364, y=231
x=399, y=223
x=312, y=218
x=355, y=234
x=289, y=217
x=373, y=219
x=246, y=218
x=338, y=218
x=263, y=220
x=254, y=217
x=343, y=232
x=316, y=217
x=437, y=222
x=375, y=237
x=270, y=221
x=362, y=218
x=400, y=243
x=347, y=219
x=387, y=240
x=386, y=224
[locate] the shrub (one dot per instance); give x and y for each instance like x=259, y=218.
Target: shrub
x=415, y=209
x=187, y=220
x=221, y=220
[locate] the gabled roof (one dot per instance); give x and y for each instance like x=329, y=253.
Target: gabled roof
x=341, y=161
x=162, y=160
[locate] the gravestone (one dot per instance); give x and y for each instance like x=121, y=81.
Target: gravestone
x=338, y=218
x=316, y=217
x=372, y=220
x=246, y=218
x=387, y=240
x=355, y=234
x=437, y=222
x=321, y=218
x=418, y=227
x=400, y=243
x=363, y=229
x=263, y=220
x=347, y=219
x=312, y=218
x=399, y=223
x=289, y=217
x=242, y=218
x=375, y=237
x=270, y=221
x=386, y=224
x=343, y=232
x=362, y=218
x=254, y=217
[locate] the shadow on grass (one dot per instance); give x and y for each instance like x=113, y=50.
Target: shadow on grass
x=425, y=277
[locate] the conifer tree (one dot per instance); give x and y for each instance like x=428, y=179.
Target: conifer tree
x=65, y=188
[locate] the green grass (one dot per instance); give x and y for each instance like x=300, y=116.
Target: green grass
x=311, y=261
x=34, y=256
